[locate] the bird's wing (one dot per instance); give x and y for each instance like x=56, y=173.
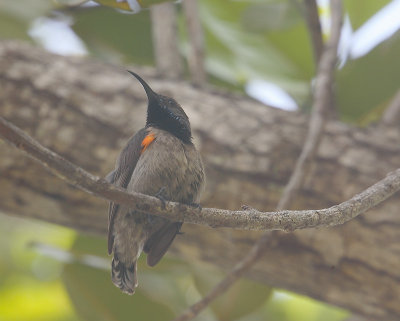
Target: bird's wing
x=158, y=244
x=122, y=174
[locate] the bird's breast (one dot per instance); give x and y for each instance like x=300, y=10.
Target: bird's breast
x=166, y=162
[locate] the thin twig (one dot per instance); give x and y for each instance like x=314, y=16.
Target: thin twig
x=314, y=27
x=196, y=42
x=322, y=99
x=236, y=273
x=249, y=219
x=320, y=109
x=165, y=40
x=391, y=116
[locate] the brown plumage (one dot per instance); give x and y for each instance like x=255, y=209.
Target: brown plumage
x=160, y=159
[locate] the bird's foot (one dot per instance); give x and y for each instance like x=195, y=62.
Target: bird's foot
x=196, y=205
x=162, y=197
x=245, y=207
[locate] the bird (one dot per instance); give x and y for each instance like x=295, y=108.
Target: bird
x=159, y=160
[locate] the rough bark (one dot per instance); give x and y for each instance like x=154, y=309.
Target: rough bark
x=85, y=110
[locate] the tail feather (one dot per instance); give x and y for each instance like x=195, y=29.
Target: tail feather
x=124, y=277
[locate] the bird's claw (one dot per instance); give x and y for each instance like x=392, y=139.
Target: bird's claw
x=161, y=196
x=196, y=205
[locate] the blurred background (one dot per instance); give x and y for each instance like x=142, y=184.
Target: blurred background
x=256, y=47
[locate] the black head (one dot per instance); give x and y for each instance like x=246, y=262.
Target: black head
x=165, y=113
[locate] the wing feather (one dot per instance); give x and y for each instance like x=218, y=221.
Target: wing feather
x=160, y=241
x=122, y=174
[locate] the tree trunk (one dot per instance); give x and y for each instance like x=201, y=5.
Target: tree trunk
x=86, y=110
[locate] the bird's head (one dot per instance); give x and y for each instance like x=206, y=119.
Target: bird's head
x=165, y=113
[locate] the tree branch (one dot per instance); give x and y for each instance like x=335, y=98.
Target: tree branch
x=196, y=42
x=165, y=40
x=248, y=220
x=314, y=28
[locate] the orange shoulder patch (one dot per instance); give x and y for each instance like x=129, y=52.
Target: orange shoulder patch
x=147, y=141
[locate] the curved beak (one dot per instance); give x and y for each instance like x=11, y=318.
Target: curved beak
x=151, y=95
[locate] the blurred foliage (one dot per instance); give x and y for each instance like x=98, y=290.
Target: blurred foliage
x=252, y=40
x=169, y=288
x=97, y=299
x=236, y=302
x=246, y=39
x=30, y=286
x=360, y=11
x=285, y=306
x=104, y=40
x=365, y=84
x=233, y=37
x=124, y=5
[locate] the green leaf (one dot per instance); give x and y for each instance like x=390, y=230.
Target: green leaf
x=370, y=81
x=124, y=5
x=96, y=298
x=243, y=298
x=360, y=11
x=114, y=4
x=277, y=51
x=260, y=17
x=241, y=44
x=293, y=307
x=93, y=245
x=114, y=36
x=11, y=27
